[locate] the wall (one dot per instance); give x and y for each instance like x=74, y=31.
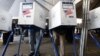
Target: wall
x=6, y=4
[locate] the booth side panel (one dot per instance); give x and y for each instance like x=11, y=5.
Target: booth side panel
x=94, y=17
x=55, y=16
x=40, y=14
x=5, y=21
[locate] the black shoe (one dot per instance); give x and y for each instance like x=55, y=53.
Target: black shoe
x=31, y=54
x=38, y=54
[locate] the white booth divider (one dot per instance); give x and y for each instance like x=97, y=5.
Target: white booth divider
x=94, y=17
x=63, y=13
x=5, y=20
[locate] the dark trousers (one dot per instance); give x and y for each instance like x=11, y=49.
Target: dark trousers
x=6, y=36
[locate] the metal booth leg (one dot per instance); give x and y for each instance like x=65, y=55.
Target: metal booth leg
x=53, y=43
x=7, y=44
x=84, y=32
x=19, y=45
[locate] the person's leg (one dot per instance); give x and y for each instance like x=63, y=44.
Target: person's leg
x=32, y=40
x=6, y=36
x=62, y=45
x=69, y=34
x=37, y=42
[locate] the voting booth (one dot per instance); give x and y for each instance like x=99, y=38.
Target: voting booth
x=5, y=21
x=62, y=22
x=63, y=14
x=32, y=14
x=94, y=18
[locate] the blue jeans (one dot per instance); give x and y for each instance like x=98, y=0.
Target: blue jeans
x=33, y=36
